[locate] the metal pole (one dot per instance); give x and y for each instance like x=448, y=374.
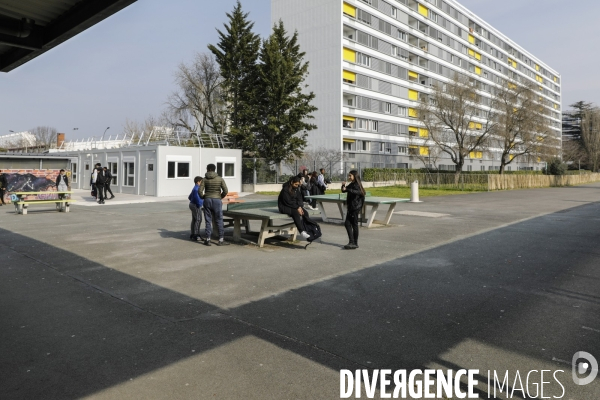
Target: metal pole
x=254, y=170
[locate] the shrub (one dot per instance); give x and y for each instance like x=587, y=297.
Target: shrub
x=557, y=167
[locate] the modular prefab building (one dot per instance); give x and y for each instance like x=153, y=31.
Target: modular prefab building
x=156, y=170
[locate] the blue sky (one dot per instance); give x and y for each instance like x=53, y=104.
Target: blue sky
x=123, y=67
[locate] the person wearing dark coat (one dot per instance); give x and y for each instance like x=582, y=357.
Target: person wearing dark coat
x=290, y=203
x=355, y=199
x=107, y=189
x=3, y=185
x=62, y=185
x=314, y=189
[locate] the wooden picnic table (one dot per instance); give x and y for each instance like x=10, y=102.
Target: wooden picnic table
x=370, y=201
x=21, y=203
x=264, y=211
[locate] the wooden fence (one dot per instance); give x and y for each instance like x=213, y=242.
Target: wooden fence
x=480, y=182
x=508, y=182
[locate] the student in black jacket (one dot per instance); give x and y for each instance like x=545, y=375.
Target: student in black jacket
x=354, y=203
x=3, y=185
x=107, y=184
x=290, y=202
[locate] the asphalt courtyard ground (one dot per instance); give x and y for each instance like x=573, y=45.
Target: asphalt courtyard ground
x=114, y=302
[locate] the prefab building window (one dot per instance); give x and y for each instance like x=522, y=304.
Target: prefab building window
x=114, y=169
x=128, y=174
x=178, y=169
x=226, y=170
x=74, y=172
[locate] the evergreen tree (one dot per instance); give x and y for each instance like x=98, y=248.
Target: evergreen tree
x=237, y=53
x=281, y=105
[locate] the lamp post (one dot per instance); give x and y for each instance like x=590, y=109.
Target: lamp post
x=104, y=133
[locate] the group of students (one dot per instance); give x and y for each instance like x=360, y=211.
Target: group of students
x=100, y=181
x=291, y=202
x=208, y=192
x=312, y=184
x=206, y=198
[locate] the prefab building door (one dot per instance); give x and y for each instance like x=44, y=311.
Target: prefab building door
x=86, y=175
x=150, y=181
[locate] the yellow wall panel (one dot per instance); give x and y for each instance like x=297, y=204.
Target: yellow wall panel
x=478, y=70
x=413, y=95
x=350, y=10
x=424, y=151
x=349, y=118
x=412, y=112
x=471, y=39
x=349, y=55
x=423, y=132
x=350, y=76
x=424, y=11
x=478, y=56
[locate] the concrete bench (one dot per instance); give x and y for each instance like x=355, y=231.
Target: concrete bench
x=266, y=212
x=21, y=203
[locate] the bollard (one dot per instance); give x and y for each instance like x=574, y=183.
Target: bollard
x=414, y=192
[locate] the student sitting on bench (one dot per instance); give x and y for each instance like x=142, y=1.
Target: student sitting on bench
x=290, y=202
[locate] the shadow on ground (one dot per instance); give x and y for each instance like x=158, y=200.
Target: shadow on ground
x=513, y=298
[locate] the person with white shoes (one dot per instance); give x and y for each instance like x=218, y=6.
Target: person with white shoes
x=290, y=203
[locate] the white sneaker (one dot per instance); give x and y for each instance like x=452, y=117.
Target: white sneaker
x=304, y=235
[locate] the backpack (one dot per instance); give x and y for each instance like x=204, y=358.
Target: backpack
x=312, y=228
x=100, y=178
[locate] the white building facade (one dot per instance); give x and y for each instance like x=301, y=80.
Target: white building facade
x=370, y=61
x=156, y=170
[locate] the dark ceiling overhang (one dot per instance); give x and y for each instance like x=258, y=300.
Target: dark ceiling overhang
x=29, y=28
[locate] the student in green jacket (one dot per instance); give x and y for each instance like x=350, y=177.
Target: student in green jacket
x=214, y=189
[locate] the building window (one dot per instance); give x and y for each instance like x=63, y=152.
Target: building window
x=381, y=147
x=402, y=150
x=226, y=170
x=402, y=35
x=402, y=111
x=366, y=146
x=364, y=59
x=388, y=148
x=128, y=174
x=113, y=168
x=388, y=108
x=178, y=169
x=346, y=123
x=74, y=172
x=347, y=146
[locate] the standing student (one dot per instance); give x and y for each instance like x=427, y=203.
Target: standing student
x=3, y=185
x=314, y=190
x=196, y=204
x=93, y=180
x=62, y=185
x=213, y=188
x=354, y=202
x=321, y=179
x=107, y=184
x=290, y=203
x=100, y=181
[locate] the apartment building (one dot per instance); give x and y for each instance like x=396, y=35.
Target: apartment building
x=372, y=60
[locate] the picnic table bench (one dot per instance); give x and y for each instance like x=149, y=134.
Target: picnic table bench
x=370, y=201
x=21, y=203
x=266, y=212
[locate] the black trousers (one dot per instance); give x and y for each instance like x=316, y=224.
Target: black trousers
x=293, y=212
x=351, y=225
x=2, y=193
x=107, y=189
x=100, y=192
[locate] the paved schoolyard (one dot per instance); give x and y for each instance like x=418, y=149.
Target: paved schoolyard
x=116, y=302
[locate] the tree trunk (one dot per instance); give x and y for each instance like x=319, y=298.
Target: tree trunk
x=502, y=166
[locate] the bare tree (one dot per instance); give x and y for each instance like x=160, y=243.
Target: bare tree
x=199, y=106
x=573, y=152
x=590, y=136
x=523, y=128
x=317, y=158
x=45, y=137
x=457, y=120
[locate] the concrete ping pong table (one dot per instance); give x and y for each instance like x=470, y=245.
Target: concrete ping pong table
x=372, y=201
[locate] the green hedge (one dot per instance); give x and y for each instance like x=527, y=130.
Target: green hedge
x=368, y=173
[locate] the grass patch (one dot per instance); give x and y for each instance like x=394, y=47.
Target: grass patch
x=396, y=191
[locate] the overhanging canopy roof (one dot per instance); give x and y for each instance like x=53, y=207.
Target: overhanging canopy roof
x=29, y=28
